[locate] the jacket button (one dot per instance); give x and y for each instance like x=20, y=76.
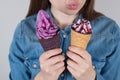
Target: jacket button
x=34, y=65
x=62, y=75
x=64, y=36
x=26, y=58
x=93, y=67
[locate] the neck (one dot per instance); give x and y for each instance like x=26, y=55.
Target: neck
x=62, y=19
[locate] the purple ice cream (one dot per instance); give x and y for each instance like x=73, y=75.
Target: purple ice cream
x=46, y=31
x=45, y=26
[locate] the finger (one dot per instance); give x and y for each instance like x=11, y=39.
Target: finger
x=84, y=54
x=60, y=70
x=54, y=60
x=57, y=66
x=46, y=55
x=73, y=64
x=72, y=71
x=53, y=68
x=76, y=58
x=78, y=67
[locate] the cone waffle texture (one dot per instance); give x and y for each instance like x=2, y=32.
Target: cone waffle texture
x=50, y=43
x=79, y=40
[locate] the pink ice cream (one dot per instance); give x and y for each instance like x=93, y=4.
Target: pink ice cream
x=45, y=26
x=82, y=26
x=81, y=33
x=47, y=32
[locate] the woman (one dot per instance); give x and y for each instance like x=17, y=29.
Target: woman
x=100, y=60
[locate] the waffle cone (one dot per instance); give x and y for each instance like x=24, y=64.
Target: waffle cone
x=79, y=40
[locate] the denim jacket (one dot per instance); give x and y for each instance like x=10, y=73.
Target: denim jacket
x=104, y=47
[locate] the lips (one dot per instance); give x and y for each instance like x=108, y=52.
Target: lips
x=72, y=6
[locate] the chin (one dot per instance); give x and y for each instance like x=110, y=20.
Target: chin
x=72, y=12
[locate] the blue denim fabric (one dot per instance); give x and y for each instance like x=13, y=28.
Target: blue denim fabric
x=104, y=47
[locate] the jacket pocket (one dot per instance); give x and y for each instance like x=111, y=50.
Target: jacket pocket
x=100, y=46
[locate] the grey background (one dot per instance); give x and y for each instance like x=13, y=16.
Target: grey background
x=12, y=11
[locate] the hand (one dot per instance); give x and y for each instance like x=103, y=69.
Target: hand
x=80, y=64
x=52, y=65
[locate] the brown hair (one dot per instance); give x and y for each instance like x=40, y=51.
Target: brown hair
x=87, y=10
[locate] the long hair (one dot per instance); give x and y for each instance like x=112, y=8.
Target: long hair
x=87, y=11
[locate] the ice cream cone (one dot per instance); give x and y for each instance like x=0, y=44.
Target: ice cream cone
x=79, y=40
x=51, y=43
x=47, y=32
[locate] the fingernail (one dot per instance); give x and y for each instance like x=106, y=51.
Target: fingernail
x=69, y=47
x=63, y=58
x=68, y=52
x=63, y=54
x=60, y=50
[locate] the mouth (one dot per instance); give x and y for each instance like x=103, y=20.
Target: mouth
x=72, y=6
